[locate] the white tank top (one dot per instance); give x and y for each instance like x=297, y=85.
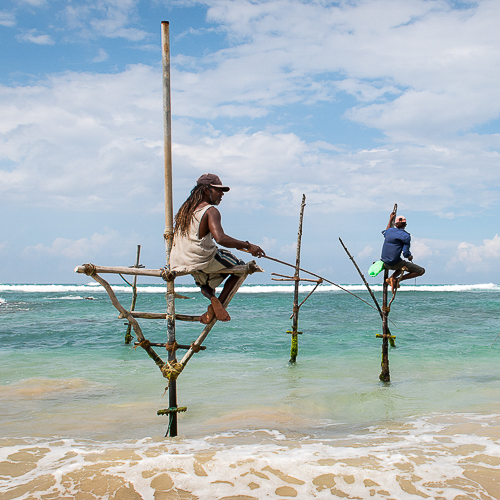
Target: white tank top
x=189, y=252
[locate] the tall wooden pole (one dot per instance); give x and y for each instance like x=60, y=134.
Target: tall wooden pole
x=169, y=215
x=386, y=334
x=384, y=374
x=294, y=350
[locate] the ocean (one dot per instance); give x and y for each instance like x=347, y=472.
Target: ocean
x=78, y=407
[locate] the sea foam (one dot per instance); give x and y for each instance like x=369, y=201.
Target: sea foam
x=439, y=456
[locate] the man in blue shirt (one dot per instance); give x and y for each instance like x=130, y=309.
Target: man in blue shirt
x=397, y=240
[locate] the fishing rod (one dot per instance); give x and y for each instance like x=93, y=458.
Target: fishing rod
x=363, y=278
x=313, y=274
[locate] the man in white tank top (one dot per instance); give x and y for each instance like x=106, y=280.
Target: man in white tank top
x=197, y=225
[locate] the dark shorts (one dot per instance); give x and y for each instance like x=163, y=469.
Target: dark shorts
x=410, y=266
x=209, y=275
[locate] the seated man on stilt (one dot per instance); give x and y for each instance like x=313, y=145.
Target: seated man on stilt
x=397, y=240
x=197, y=225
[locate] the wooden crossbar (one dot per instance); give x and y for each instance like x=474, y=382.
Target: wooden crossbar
x=179, y=346
x=149, y=315
x=248, y=268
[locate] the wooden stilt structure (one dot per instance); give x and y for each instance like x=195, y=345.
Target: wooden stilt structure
x=170, y=368
x=294, y=349
x=128, y=336
x=386, y=336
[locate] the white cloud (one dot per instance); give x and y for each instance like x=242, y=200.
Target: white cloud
x=419, y=69
x=95, y=141
x=7, y=19
x=33, y=37
x=478, y=257
x=101, y=56
x=289, y=250
x=368, y=251
x=81, y=249
x=81, y=140
x=34, y=3
x=268, y=244
x=421, y=250
x=110, y=18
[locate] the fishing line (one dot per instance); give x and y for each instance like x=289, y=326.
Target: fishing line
x=315, y=275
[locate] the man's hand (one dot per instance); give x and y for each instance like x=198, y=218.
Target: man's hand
x=410, y=258
x=255, y=250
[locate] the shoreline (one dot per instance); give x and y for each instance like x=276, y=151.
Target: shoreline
x=436, y=456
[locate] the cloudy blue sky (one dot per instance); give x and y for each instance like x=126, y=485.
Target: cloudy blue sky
x=358, y=104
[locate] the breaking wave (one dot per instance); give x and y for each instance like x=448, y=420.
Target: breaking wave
x=88, y=289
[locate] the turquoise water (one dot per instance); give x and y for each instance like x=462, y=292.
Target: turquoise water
x=66, y=374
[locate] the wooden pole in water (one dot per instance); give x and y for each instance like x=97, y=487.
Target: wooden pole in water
x=384, y=374
x=128, y=336
x=294, y=350
x=169, y=216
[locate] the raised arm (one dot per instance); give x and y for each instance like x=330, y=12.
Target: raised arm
x=218, y=234
x=391, y=220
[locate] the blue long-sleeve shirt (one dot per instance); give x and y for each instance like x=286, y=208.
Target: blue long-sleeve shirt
x=396, y=241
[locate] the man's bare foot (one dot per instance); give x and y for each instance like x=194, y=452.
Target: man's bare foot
x=208, y=316
x=393, y=282
x=220, y=313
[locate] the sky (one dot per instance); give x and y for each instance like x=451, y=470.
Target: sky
x=358, y=104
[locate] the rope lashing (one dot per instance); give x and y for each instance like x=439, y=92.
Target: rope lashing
x=172, y=346
x=145, y=344
x=167, y=275
x=386, y=309
x=172, y=369
x=89, y=270
x=195, y=348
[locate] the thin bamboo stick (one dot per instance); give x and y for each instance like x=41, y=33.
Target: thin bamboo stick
x=318, y=282
x=363, y=278
x=128, y=337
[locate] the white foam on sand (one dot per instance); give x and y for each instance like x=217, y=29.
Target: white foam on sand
x=438, y=456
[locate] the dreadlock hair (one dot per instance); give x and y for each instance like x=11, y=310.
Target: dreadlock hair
x=184, y=216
